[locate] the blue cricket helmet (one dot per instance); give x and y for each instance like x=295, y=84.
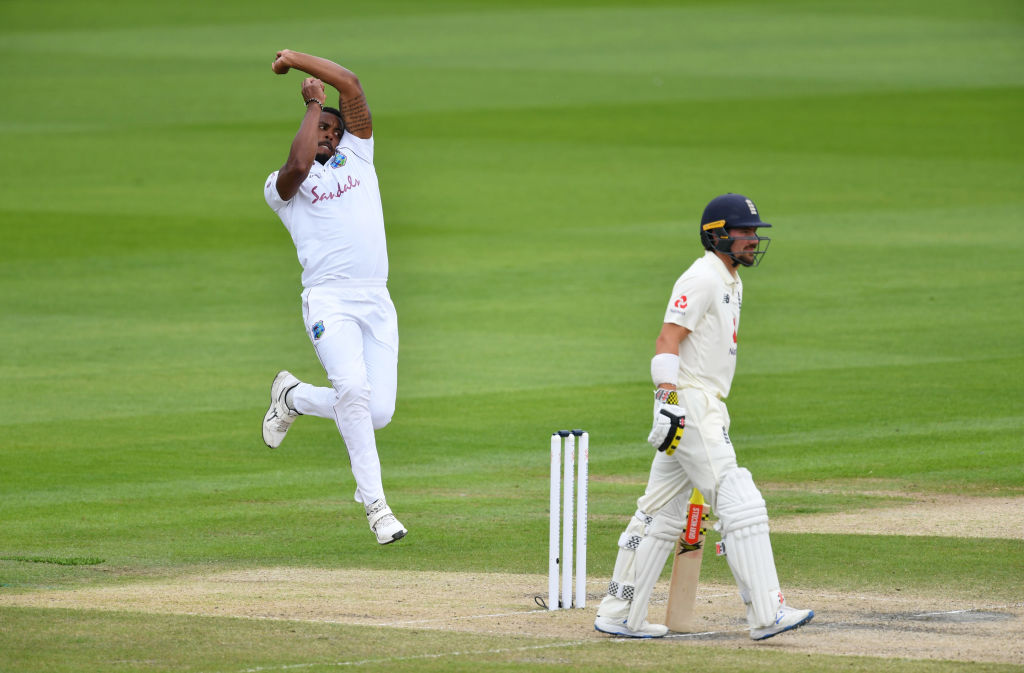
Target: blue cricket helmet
x=730, y=211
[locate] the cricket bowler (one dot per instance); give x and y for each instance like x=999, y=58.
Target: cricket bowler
x=327, y=196
x=692, y=370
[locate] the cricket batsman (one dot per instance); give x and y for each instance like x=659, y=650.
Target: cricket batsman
x=327, y=196
x=692, y=370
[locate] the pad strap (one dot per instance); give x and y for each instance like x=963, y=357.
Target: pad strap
x=621, y=591
x=630, y=542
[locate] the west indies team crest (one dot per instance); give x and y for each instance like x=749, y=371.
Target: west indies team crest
x=318, y=329
x=338, y=160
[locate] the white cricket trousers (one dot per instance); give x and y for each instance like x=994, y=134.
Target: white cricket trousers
x=704, y=455
x=353, y=327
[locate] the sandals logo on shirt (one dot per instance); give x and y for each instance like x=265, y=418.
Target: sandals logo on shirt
x=318, y=329
x=349, y=184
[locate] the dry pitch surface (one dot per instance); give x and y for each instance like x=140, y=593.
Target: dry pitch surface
x=875, y=624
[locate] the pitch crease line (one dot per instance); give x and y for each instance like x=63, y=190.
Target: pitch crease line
x=683, y=636
x=977, y=609
x=462, y=617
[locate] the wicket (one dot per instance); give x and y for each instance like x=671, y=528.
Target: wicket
x=564, y=496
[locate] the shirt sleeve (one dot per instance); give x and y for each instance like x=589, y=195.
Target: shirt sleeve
x=690, y=300
x=271, y=194
x=360, y=147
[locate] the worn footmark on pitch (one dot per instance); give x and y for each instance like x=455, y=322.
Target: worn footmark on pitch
x=933, y=622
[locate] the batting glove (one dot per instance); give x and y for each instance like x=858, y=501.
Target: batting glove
x=669, y=421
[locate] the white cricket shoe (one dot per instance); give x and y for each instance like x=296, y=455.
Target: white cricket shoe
x=279, y=417
x=618, y=627
x=383, y=523
x=786, y=619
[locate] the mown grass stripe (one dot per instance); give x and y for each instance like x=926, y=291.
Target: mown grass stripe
x=54, y=560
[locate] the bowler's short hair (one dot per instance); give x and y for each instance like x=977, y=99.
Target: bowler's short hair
x=337, y=113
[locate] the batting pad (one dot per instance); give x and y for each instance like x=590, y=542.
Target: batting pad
x=654, y=550
x=744, y=518
x=621, y=588
x=739, y=502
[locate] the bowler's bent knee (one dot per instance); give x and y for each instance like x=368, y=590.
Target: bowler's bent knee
x=381, y=414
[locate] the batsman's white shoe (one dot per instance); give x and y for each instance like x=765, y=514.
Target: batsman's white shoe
x=279, y=417
x=383, y=523
x=786, y=619
x=617, y=627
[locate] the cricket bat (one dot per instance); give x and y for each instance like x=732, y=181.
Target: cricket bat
x=682, y=591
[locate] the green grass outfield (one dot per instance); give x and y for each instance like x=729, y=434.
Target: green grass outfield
x=543, y=167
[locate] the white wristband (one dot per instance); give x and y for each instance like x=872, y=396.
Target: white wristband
x=665, y=369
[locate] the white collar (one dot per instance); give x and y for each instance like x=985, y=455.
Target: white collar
x=722, y=269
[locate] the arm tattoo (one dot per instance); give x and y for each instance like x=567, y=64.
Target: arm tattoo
x=356, y=114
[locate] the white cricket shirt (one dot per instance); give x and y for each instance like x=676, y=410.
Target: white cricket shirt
x=706, y=300
x=335, y=219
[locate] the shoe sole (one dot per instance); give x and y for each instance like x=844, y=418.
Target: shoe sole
x=395, y=538
x=793, y=627
x=623, y=635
